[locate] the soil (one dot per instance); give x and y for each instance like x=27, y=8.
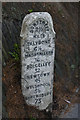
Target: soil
x=15, y=103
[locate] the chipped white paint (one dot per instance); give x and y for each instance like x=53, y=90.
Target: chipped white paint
x=37, y=55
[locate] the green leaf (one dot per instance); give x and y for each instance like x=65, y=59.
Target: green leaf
x=15, y=54
x=15, y=45
x=30, y=10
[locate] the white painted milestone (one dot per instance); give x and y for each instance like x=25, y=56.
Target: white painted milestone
x=37, y=57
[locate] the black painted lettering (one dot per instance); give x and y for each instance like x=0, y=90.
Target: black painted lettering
x=37, y=80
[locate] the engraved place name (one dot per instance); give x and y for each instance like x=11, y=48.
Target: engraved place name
x=39, y=42
x=39, y=95
x=39, y=64
x=32, y=76
x=42, y=53
x=37, y=86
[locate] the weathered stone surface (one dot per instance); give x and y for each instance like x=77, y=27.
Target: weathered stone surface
x=37, y=56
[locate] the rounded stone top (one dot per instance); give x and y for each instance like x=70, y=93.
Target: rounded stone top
x=29, y=18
